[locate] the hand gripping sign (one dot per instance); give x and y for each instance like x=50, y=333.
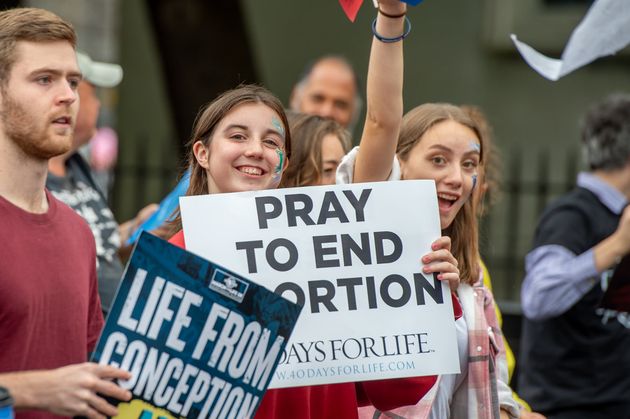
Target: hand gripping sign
x=351, y=255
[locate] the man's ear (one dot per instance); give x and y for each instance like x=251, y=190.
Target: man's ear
x=296, y=97
x=202, y=154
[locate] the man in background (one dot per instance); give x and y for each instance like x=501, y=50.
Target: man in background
x=575, y=357
x=329, y=88
x=70, y=180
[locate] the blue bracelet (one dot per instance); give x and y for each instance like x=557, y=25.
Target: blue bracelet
x=395, y=39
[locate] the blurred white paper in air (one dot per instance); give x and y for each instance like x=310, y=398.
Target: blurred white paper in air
x=604, y=30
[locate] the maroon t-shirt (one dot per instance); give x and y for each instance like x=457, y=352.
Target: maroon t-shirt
x=50, y=312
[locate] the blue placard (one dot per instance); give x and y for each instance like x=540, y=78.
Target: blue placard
x=199, y=340
x=165, y=210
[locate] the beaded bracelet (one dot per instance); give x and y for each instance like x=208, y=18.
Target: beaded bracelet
x=390, y=15
x=395, y=39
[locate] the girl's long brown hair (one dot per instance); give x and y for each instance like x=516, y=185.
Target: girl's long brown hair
x=488, y=190
x=207, y=120
x=464, y=229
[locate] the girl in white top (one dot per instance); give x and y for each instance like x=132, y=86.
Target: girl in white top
x=440, y=142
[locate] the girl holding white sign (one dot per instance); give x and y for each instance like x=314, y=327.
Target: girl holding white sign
x=241, y=142
x=439, y=142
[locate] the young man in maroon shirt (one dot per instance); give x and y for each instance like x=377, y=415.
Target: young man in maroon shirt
x=50, y=314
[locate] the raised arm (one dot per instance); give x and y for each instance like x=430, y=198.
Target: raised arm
x=384, y=96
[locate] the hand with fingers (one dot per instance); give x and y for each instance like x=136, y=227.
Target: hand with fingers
x=609, y=251
x=623, y=231
x=442, y=262
x=74, y=390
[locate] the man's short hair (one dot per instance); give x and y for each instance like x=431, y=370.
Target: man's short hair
x=606, y=133
x=306, y=73
x=29, y=24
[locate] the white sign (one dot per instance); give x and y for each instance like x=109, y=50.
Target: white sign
x=604, y=31
x=351, y=254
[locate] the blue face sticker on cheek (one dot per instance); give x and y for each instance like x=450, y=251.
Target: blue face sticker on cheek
x=278, y=125
x=281, y=162
x=474, y=178
x=277, y=173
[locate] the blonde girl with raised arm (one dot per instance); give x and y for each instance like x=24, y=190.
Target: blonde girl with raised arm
x=439, y=142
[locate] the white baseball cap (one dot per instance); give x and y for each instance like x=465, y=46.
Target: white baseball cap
x=99, y=74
